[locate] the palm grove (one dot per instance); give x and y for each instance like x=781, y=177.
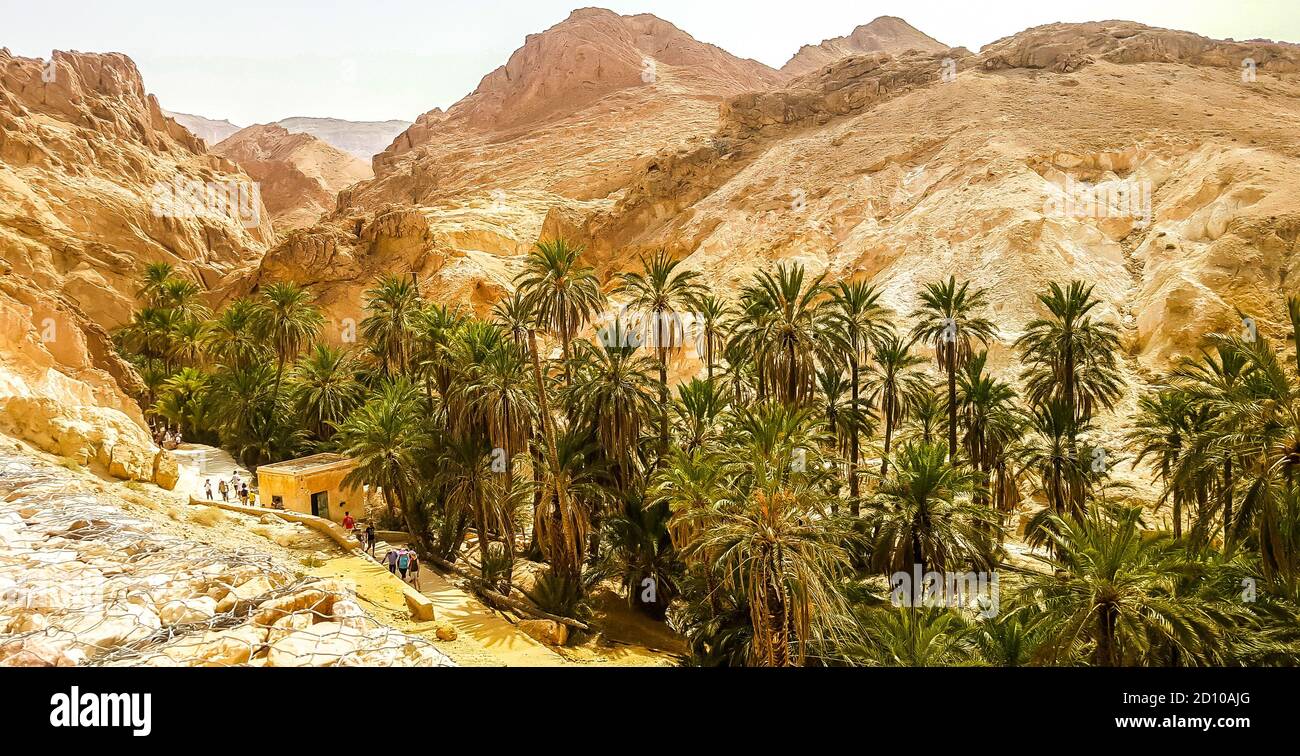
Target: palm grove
x=760, y=508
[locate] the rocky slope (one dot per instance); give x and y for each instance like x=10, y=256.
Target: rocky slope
x=91, y=574
x=887, y=34
x=300, y=175
x=96, y=182
x=363, y=139
x=209, y=130
x=573, y=117
x=1153, y=163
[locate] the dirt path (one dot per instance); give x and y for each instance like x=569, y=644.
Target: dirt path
x=483, y=637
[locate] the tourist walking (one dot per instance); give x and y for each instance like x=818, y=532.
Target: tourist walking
x=390, y=559
x=207, y=488
x=414, y=569
x=349, y=524
x=223, y=489
x=403, y=563
x=370, y=538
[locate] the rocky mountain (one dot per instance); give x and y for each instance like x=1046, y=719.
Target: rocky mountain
x=887, y=34
x=95, y=183
x=1153, y=163
x=363, y=139
x=300, y=175
x=574, y=116
x=209, y=130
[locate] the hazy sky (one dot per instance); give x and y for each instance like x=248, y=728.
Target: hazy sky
x=254, y=62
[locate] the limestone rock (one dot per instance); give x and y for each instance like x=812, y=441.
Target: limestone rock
x=299, y=174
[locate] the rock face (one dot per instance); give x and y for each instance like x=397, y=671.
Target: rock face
x=95, y=183
x=1153, y=163
x=887, y=34
x=363, y=139
x=573, y=117
x=300, y=175
x=1139, y=159
x=209, y=130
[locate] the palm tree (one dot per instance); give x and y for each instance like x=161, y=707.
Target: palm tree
x=1052, y=457
x=1069, y=356
x=1217, y=384
x=893, y=380
x=564, y=293
x=923, y=519
x=640, y=553
x=657, y=294
x=992, y=425
x=385, y=439
x=231, y=339
x=184, y=401
x=325, y=390
x=1163, y=428
x=471, y=488
x=699, y=405
x=781, y=327
x=1110, y=593
x=855, y=322
x=499, y=391
x=948, y=320
x=392, y=303
x=156, y=275
x=187, y=342
x=182, y=295
x=772, y=545
x=613, y=394
x=563, y=521
x=711, y=322
x=911, y=637
x=287, y=318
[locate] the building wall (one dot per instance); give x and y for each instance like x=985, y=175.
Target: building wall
x=296, y=491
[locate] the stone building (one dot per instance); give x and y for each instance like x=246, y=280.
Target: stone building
x=311, y=485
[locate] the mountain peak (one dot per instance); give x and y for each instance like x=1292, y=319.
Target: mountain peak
x=888, y=34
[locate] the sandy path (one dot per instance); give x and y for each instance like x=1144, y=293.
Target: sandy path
x=484, y=638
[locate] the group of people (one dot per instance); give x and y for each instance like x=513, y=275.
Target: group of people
x=235, y=485
x=366, y=535
x=404, y=562
x=168, y=439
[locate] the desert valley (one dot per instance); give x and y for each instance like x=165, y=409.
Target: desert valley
x=656, y=355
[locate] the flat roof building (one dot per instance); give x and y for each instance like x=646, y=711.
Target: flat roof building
x=311, y=485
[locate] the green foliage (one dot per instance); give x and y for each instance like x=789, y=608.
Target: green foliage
x=826, y=446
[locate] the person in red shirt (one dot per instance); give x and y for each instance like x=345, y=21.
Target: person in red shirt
x=348, y=522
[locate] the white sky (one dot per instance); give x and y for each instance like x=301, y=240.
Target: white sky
x=255, y=62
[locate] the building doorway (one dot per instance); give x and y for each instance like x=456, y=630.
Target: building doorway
x=320, y=505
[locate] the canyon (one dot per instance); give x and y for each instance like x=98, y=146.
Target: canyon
x=901, y=165
x=1156, y=164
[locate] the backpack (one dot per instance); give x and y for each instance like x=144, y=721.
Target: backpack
x=403, y=561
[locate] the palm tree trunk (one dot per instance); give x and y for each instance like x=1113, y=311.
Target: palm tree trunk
x=1227, y=500
x=663, y=402
x=889, y=435
x=853, y=435
x=952, y=403
x=562, y=499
